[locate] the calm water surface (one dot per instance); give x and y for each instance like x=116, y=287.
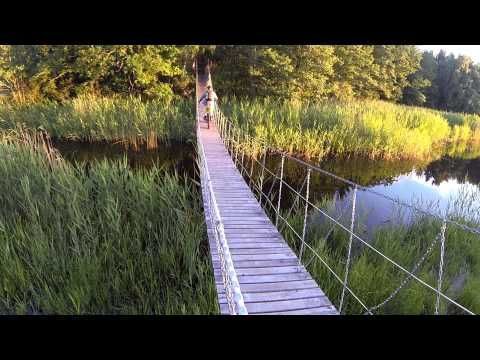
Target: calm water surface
x=179, y=157
x=429, y=185
x=433, y=186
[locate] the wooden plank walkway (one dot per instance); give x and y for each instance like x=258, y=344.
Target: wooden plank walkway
x=270, y=277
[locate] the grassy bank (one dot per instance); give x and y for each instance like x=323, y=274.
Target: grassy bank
x=103, y=240
x=129, y=120
x=371, y=129
x=373, y=279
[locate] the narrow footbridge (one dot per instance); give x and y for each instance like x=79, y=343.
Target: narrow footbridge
x=255, y=270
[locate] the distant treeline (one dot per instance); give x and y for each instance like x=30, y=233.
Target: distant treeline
x=399, y=73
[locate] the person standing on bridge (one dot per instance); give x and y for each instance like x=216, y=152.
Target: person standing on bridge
x=210, y=99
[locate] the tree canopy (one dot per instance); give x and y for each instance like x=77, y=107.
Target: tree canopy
x=399, y=73
x=60, y=72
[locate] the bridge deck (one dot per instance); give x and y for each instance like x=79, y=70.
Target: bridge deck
x=270, y=277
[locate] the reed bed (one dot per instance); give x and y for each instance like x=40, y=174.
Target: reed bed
x=369, y=129
x=98, y=240
x=89, y=118
x=404, y=239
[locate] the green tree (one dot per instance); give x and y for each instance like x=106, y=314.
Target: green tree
x=281, y=71
x=396, y=63
x=313, y=68
x=445, y=80
x=429, y=70
x=464, y=96
x=11, y=79
x=355, y=72
x=423, y=88
x=60, y=72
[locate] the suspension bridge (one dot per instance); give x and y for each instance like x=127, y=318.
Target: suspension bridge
x=256, y=272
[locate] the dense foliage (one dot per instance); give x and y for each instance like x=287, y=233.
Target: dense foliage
x=446, y=83
x=399, y=73
x=59, y=72
x=315, y=72
x=395, y=73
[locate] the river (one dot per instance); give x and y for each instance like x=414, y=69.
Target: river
x=433, y=185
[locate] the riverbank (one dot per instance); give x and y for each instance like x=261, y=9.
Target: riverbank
x=368, y=129
x=127, y=120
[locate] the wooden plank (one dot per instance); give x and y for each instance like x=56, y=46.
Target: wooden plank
x=256, y=279
x=264, y=263
x=259, y=251
x=252, y=231
x=229, y=181
x=275, y=278
x=226, y=190
x=285, y=305
x=240, y=205
x=278, y=286
x=241, y=210
x=270, y=270
x=259, y=224
x=237, y=221
x=257, y=245
x=254, y=239
x=237, y=199
x=229, y=218
x=253, y=235
x=248, y=227
x=264, y=257
x=231, y=195
x=324, y=310
x=283, y=295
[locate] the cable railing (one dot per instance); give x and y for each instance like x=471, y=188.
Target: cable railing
x=234, y=139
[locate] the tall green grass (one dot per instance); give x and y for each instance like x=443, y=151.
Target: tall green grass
x=373, y=279
x=90, y=118
x=372, y=129
x=98, y=240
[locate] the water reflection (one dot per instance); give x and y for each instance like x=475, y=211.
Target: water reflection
x=430, y=186
x=447, y=168
x=178, y=157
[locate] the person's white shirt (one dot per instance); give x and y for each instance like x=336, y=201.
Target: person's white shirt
x=213, y=96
